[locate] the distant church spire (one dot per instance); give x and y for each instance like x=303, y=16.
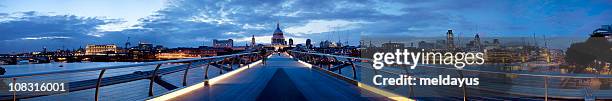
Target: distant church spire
x=277, y=24
x=253, y=41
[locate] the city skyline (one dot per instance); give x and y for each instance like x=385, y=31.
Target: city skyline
x=29, y=26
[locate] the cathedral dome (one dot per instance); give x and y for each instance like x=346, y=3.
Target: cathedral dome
x=278, y=33
x=277, y=37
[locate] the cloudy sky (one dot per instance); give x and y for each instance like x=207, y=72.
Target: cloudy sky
x=29, y=25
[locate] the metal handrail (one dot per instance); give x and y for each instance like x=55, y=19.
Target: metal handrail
x=152, y=78
x=118, y=66
x=460, y=72
x=492, y=72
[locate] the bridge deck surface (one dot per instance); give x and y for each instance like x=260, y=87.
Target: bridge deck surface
x=282, y=78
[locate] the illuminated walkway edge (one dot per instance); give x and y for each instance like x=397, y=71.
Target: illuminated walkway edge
x=184, y=90
x=190, y=90
x=387, y=94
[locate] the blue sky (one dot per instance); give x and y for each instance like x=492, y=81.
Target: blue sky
x=29, y=25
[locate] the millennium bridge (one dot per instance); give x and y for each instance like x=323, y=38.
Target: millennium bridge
x=294, y=75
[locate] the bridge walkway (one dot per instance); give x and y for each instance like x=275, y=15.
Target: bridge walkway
x=281, y=78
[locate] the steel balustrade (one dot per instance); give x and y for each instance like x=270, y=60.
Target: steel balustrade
x=315, y=59
x=155, y=75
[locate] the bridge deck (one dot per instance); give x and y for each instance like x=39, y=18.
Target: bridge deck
x=282, y=78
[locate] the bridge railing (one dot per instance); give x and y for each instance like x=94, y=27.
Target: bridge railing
x=492, y=85
x=119, y=82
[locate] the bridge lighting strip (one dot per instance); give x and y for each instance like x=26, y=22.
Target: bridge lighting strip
x=304, y=63
x=229, y=74
x=179, y=92
x=383, y=93
x=270, y=55
x=387, y=94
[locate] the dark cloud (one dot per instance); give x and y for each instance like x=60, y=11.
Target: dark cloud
x=188, y=23
x=201, y=19
x=33, y=31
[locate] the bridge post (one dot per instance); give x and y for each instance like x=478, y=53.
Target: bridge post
x=354, y=70
x=310, y=58
x=185, y=74
x=249, y=57
x=263, y=59
x=410, y=87
x=464, y=87
x=98, y=84
x=545, y=88
x=222, y=62
x=240, y=61
x=321, y=61
x=153, y=79
x=300, y=56
x=206, y=71
x=231, y=62
x=339, y=68
x=252, y=58
x=329, y=64
x=321, y=65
